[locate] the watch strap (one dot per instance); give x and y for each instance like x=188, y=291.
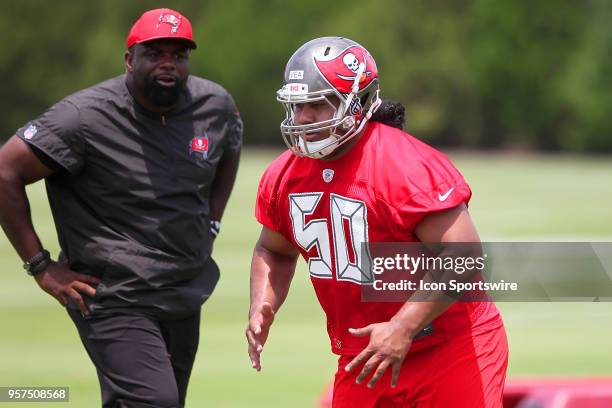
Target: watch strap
x=38, y=262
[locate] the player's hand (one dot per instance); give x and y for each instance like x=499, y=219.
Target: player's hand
x=388, y=346
x=63, y=284
x=257, y=331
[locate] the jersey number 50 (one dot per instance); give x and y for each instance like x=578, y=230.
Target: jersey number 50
x=345, y=213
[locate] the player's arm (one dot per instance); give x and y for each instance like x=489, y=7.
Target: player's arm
x=390, y=341
x=272, y=269
x=454, y=225
x=19, y=167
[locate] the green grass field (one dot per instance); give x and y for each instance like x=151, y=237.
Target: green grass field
x=515, y=198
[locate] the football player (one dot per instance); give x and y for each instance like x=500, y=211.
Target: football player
x=350, y=177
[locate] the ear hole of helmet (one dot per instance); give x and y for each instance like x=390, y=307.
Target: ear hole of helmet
x=364, y=98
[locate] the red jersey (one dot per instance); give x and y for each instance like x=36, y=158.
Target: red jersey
x=377, y=192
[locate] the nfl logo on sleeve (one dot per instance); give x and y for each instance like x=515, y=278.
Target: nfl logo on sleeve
x=30, y=132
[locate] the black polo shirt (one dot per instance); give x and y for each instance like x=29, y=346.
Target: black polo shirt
x=131, y=201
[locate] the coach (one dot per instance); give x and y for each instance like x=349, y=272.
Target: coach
x=138, y=171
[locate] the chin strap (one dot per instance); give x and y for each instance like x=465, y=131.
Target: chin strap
x=320, y=148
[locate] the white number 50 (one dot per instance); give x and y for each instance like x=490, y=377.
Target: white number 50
x=316, y=233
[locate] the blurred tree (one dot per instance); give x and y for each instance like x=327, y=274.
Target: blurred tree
x=51, y=49
x=245, y=48
x=41, y=51
x=586, y=89
x=471, y=73
x=420, y=56
x=518, y=52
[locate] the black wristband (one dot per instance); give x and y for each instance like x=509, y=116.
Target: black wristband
x=38, y=263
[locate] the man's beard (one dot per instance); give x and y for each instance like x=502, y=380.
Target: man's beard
x=163, y=96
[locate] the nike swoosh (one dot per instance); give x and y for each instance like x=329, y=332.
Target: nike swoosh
x=443, y=197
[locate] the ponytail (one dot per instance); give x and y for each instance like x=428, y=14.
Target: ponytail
x=390, y=113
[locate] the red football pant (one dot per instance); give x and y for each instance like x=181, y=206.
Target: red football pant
x=464, y=372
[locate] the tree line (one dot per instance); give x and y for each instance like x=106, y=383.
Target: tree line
x=477, y=73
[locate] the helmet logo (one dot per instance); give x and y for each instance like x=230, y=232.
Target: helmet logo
x=355, y=106
x=351, y=62
x=341, y=70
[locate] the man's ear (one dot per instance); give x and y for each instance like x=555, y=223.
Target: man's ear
x=129, y=60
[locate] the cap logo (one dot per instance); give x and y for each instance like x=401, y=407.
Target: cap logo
x=170, y=19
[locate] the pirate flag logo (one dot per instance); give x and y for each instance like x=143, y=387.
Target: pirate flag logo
x=340, y=71
x=199, y=147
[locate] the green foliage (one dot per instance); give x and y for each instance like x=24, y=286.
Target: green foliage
x=475, y=73
x=519, y=53
x=587, y=85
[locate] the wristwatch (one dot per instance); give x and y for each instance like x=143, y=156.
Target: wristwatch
x=37, y=263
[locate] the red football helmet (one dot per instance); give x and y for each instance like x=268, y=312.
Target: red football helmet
x=324, y=67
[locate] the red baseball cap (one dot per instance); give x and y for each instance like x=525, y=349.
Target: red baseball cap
x=161, y=23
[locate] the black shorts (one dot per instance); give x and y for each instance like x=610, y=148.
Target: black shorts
x=141, y=362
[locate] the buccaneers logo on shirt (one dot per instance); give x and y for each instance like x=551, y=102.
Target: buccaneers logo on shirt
x=341, y=70
x=199, y=147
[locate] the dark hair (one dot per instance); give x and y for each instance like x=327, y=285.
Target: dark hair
x=390, y=113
